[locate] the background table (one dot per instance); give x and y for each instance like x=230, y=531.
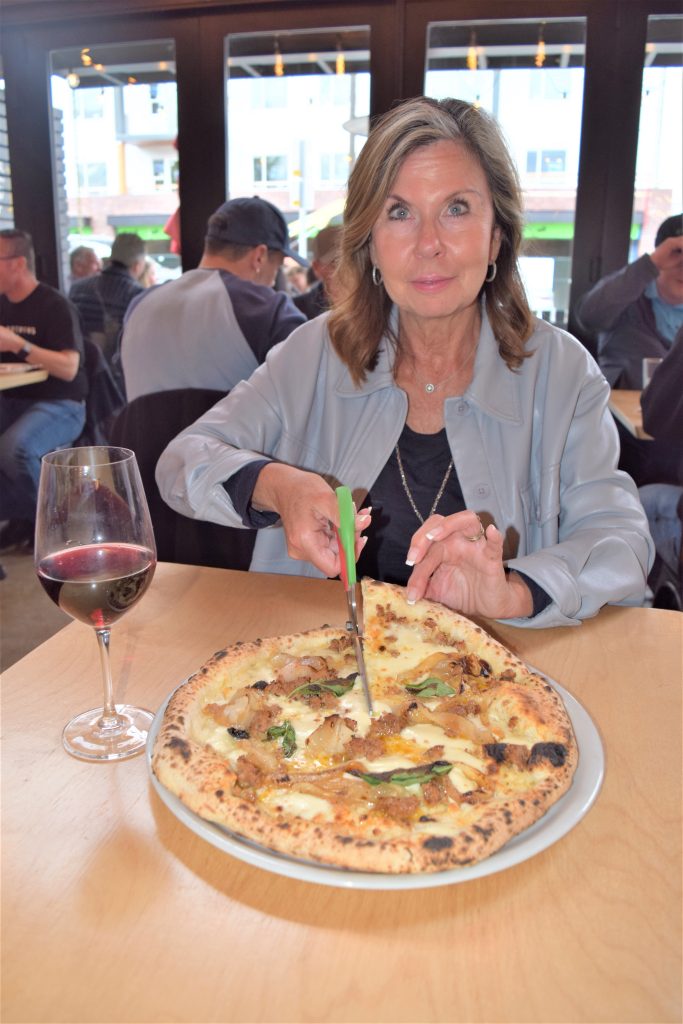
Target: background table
x=114, y=911
x=17, y=380
x=626, y=407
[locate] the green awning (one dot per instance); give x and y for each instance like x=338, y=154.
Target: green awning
x=563, y=230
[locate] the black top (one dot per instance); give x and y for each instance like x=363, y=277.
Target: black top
x=46, y=318
x=425, y=459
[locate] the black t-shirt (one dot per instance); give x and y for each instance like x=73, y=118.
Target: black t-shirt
x=48, y=319
x=425, y=459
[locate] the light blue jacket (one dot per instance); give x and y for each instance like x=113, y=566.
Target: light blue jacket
x=535, y=452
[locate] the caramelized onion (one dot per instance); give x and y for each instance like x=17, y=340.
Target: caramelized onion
x=452, y=724
x=331, y=736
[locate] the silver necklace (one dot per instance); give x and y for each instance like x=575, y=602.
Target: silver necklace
x=430, y=387
x=439, y=495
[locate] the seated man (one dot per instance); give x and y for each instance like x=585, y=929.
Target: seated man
x=83, y=262
x=638, y=311
x=211, y=327
x=39, y=326
x=319, y=298
x=102, y=300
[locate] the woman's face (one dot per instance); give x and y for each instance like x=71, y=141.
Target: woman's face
x=436, y=235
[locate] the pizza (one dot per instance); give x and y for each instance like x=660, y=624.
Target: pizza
x=465, y=747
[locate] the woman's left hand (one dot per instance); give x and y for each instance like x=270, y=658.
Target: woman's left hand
x=460, y=564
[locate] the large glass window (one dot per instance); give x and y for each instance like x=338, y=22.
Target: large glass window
x=530, y=76
x=659, y=170
x=6, y=203
x=297, y=116
x=114, y=122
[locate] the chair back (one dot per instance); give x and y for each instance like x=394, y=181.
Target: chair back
x=104, y=400
x=147, y=425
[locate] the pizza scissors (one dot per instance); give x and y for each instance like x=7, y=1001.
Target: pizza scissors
x=346, y=537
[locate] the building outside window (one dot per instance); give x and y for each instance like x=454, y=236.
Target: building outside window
x=308, y=93
x=114, y=110
x=659, y=170
x=529, y=75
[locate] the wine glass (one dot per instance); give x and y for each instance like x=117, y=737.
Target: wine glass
x=95, y=557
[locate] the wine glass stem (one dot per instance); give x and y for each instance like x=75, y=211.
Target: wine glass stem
x=109, y=715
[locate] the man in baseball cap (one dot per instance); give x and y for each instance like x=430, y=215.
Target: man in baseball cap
x=252, y=221
x=211, y=327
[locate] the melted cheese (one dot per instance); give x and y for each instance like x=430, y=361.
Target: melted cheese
x=453, y=749
x=303, y=805
x=407, y=651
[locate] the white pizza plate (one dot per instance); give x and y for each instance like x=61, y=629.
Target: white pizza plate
x=556, y=823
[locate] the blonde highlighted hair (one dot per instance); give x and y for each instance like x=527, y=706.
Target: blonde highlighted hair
x=359, y=321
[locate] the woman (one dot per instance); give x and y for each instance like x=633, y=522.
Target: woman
x=431, y=388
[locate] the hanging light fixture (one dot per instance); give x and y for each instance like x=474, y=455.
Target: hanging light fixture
x=340, y=65
x=86, y=59
x=278, y=67
x=472, y=52
x=73, y=80
x=539, y=59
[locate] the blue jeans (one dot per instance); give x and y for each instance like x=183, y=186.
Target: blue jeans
x=660, y=502
x=28, y=430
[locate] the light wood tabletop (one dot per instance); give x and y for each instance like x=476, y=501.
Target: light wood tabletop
x=20, y=377
x=113, y=910
x=626, y=407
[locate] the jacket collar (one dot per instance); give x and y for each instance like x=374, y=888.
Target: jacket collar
x=493, y=386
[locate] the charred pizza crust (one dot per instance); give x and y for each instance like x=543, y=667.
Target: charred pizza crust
x=466, y=749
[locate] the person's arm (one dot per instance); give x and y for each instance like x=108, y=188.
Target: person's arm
x=604, y=549
x=62, y=363
x=307, y=508
x=600, y=308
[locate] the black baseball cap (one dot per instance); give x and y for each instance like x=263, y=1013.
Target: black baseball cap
x=672, y=227
x=251, y=221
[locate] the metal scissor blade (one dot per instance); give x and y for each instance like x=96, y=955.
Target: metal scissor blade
x=352, y=626
x=346, y=541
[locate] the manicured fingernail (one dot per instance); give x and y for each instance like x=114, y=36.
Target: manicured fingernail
x=435, y=533
x=411, y=556
x=411, y=596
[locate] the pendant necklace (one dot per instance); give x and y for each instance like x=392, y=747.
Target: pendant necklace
x=430, y=386
x=439, y=495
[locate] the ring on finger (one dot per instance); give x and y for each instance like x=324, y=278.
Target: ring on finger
x=480, y=535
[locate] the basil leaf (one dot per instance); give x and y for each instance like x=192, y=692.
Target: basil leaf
x=336, y=686
x=431, y=687
x=405, y=776
x=287, y=734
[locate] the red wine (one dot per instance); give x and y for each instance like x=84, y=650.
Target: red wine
x=97, y=583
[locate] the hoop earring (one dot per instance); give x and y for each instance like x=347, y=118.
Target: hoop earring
x=376, y=275
x=492, y=271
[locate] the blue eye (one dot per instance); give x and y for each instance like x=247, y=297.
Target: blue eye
x=397, y=212
x=458, y=207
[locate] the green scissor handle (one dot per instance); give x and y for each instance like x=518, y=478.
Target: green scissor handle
x=347, y=532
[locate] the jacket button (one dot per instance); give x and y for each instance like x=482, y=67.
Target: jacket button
x=461, y=407
x=483, y=491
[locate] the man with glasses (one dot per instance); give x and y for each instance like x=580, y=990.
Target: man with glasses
x=38, y=326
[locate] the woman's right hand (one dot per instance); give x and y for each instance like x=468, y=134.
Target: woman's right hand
x=307, y=507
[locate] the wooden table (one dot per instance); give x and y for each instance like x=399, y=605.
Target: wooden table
x=114, y=911
x=32, y=375
x=626, y=407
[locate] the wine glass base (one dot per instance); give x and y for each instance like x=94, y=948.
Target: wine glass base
x=92, y=737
